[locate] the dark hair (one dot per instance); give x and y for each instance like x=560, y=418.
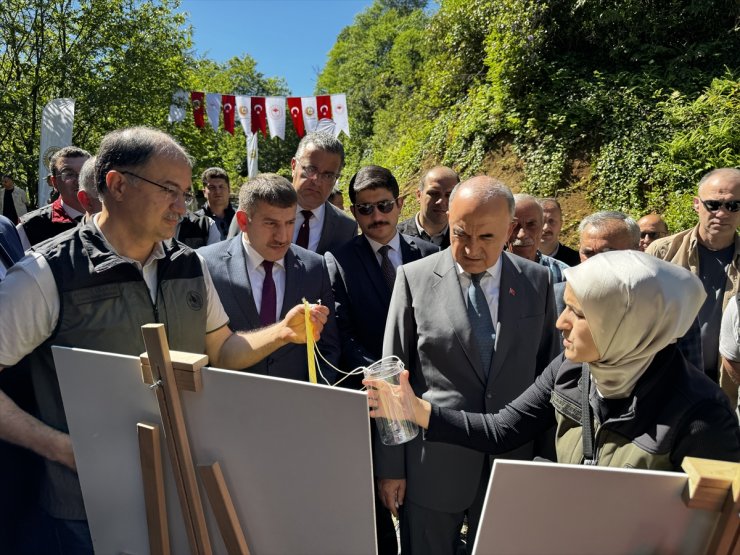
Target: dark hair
x=215, y=173
x=66, y=152
x=134, y=147
x=321, y=141
x=334, y=192
x=270, y=188
x=372, y=177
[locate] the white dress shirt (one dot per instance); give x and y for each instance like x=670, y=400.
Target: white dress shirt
x=256, y=273
x=315, y=225
x=394, y=253
x=490, y=283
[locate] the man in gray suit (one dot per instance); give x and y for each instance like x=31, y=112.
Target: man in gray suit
x=316, y=166
x=259, y=275
x=474, y=326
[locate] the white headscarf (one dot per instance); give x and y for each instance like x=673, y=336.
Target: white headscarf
x=635, y=305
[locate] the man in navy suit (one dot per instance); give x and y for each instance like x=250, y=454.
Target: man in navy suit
x=316, y=166
x=362, y=286
x=259, y=275
x=11, y=250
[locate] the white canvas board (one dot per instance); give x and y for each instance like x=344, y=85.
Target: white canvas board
x=556, y=509
x=296, y=456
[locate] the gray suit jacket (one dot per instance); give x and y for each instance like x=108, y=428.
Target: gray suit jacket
x=428, y=329
x=305, y=276
x=337, y=230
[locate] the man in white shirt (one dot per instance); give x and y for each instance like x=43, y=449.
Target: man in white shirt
x=316, y=166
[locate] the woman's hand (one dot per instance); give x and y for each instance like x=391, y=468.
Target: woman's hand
x=397, y=402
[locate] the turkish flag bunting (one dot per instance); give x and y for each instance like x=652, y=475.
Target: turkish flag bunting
x=228, y=103
x=259, y=117
x=198, y=110
x=323, y=104
x=294, y=107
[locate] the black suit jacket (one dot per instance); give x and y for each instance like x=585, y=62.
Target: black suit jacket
x=408, y=227
x=361, y=298
x=305, y=276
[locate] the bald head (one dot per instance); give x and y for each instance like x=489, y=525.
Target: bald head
x=719, y=195
x=607, y=231
x=434, y=195
x=652, y=227
x=484, y=189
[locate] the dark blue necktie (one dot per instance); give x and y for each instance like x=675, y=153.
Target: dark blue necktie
x=480, y=321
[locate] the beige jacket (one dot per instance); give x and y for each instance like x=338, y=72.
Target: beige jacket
x=20, y=200
x=682, y=249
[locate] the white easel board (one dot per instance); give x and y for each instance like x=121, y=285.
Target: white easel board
x=553, y=509
x=296, y=457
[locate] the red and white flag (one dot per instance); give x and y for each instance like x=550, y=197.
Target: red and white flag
x=213, y=109
x=310, y=115
x=244, y=111
x=275, y=107
x=259, y=118
x=294, y=107
x=227, y=101
x=339, y=113
x=323, y=104
x=198, y=111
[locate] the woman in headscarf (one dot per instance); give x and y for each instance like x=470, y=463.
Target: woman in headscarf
x=621, y=393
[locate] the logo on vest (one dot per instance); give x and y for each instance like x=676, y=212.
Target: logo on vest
x=194, y=300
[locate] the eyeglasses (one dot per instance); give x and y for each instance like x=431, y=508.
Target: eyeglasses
x=715, y=205
x=649, y=234
x=173, y=193
x=384, y=206
x=313, y=172
x=69, y=175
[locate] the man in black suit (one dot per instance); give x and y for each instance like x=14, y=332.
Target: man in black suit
x=362, y=286
x=430, y=222
x=259, y=275
x=550, y=244
x=316, y=166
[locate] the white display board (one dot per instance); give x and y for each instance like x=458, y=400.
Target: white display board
x=556, y=509
x=296, y=457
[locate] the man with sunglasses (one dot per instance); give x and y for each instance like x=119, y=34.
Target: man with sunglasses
x=316, y=166
x=66, y=211
x=362, y=274
x=711, y=250
x=652, y=227
x=93, y=287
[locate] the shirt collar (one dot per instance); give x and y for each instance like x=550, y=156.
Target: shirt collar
x=394, y=243
x=71, y=212
x=494, y=271
x=156, y=254
x=255, y=259
x=421, y=230
x=318, y=213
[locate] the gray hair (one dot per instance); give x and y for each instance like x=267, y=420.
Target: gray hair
x=321, y=141
x=485, y=188
x=87, y=178
x=270, y=188
x=523, y=197
x=732, y=173
x=611, y=218
x=543, y=202
x=134, y=147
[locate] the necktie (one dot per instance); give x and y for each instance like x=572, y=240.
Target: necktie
x=302, y=239
x=386, y=266
x=268, y=306
x=480, y=321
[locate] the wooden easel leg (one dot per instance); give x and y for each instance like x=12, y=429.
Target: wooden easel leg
x=223, y=509
x=150, y=452
x=178, y=445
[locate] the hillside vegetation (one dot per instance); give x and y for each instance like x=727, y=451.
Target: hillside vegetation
x=628, y=101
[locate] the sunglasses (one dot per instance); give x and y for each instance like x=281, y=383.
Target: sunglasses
x=714, y=205
x=649, y=234
x=384, y=206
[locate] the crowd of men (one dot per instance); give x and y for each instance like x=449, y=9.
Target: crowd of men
x=115, y=250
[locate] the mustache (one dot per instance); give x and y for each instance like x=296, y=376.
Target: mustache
x=378, y=224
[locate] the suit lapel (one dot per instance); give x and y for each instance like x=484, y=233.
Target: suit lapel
x=293, y=272
x=447, y=286
x=370, y=264
x=409, y=251
x=240, y=287
x=509, y=311
x=327, y=230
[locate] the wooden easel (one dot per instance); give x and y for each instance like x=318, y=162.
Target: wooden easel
x=167, y=372
x=715, y=486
